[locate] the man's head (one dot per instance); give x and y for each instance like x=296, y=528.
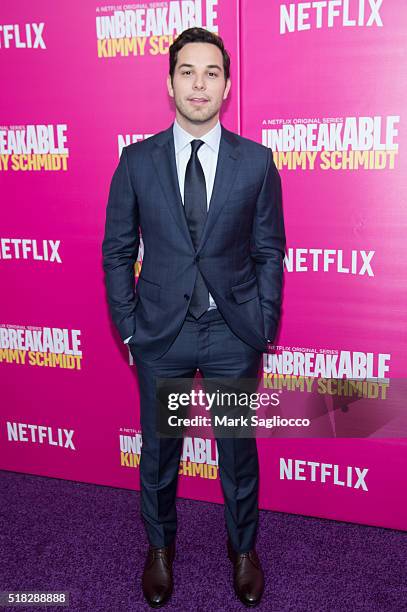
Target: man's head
x=199, y=77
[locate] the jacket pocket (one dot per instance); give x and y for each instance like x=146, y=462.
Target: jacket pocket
x=245, y=291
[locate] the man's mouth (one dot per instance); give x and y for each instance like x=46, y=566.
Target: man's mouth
x=198, y=100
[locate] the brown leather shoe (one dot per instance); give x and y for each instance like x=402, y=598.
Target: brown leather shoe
x=157, y=580
x=248, y=579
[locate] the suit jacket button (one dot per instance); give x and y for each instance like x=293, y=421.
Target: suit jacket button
x=186, y=296
x=197, y=258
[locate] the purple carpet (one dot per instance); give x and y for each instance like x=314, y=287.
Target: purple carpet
x=89, y=540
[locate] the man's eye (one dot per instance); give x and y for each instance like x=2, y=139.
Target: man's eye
x=213, y=73
x=186, y=71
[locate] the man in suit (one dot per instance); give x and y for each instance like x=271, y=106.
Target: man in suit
x=208, y=203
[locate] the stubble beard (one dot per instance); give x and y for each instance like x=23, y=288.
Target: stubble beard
x=198, y=116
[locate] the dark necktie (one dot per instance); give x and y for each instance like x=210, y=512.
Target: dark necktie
x=195, y=206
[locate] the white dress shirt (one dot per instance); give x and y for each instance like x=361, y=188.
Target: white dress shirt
x=208, y=156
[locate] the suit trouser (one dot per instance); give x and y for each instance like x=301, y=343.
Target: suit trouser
x=209, y=344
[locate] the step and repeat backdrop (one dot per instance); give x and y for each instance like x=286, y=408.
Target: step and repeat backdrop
x=324, y=85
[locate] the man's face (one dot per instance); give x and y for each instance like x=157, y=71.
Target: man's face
x=198, y=85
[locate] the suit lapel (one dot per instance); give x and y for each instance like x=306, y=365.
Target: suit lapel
x=225, y=176
x=166, y=170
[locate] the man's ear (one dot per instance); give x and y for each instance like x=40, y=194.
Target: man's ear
x=169, y=86
x=227, y=88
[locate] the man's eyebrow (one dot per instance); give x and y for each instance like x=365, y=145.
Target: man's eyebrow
x=192, y=66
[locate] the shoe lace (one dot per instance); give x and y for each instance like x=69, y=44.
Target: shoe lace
x=248, y=555
x=163, y=553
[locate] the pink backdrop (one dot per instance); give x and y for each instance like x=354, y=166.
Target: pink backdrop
x=325, y=88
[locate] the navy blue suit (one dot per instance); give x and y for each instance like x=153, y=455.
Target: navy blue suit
x=240, y=257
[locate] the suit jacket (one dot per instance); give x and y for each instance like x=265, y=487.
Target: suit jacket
x=240, y=254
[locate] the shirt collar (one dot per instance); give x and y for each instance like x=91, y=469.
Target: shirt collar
x=182, y=138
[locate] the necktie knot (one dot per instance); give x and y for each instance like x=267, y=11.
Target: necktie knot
x=195, y=144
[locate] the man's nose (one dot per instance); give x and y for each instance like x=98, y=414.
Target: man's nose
x=199, y=83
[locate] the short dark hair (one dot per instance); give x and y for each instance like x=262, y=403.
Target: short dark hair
x=198, y=35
